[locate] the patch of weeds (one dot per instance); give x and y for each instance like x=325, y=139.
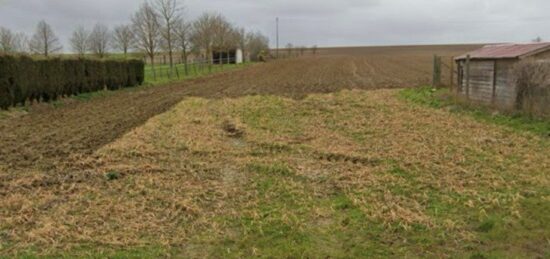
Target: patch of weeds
x=112, y=176
x=342, y=202
x=275, y=225
x=516, y=121
x=58, y=104
x=349, y=232
x=398, y=171
x=162, y=76
x=359, y=137
x=478, y=256
x=96, y=251
x=532, y=227
x=263, y=149
x=90, y=96
x=272, y=114
x=439, y=99
x=438, y=208
x=14, y=112
x=486, y=226
x=424, y=95
x=273, y=169
x=181, y=148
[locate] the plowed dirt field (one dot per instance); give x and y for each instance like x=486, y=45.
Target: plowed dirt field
x=47, y=137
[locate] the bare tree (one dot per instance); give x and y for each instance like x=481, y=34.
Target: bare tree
x=183, y=36
x=537, y=39
x=289, y=48
x=302, y=50
x=8, y=41
x=98, y=41
x=21, y=42
x=169, y=13
x=123, y=38
x=79, y=41
x=223, y=36
x=146, y=27
x=256, y=44
x=203, y=36
x=314, y=49
x=44, y=40
x=234, y=40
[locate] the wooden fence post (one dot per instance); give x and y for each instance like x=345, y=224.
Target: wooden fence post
x=451, y=85
x=436, y=81
x=434, y=71
x=494, y=96
x=468, y=77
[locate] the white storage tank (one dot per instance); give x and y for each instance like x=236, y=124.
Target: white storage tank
x=239, y=56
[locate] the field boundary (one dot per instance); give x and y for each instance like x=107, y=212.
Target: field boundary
x=444, y=99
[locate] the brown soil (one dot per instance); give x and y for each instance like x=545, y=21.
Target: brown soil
x=46, y=137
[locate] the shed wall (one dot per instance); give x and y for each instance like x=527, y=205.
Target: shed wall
x=492, y=83
x=505, y=89
x=543, y=55
x=486, y=75
x=481, y=82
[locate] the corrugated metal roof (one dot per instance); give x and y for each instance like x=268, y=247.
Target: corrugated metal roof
x=502, y=51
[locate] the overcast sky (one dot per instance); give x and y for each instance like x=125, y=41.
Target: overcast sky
x=321, y=22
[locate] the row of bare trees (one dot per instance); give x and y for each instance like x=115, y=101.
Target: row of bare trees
x=43, y=41
x=292, y=50
x=100, y=40
x=157, y=26
x=12, y=42
x=161, y=25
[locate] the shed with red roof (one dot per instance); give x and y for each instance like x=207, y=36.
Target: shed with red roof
x=484, y=75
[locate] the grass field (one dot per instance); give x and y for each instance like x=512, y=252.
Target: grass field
x=160, y=74
x=302, y=158
x=443, y=98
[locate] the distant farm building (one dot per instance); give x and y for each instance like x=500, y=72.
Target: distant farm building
x=484, y=75
x=233, y=56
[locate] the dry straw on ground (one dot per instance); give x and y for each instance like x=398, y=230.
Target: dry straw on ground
x=183, y=176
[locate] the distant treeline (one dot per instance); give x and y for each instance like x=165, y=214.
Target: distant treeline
x=25, y=79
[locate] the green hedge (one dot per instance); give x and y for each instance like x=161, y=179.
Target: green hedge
x=25, y=79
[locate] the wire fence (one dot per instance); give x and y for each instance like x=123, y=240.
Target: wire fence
x=160, y=73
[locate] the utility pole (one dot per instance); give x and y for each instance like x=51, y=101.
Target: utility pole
x=277, y=21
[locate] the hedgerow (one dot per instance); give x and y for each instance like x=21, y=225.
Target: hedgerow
x=24, y=79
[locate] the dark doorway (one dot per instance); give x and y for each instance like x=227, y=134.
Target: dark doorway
x=224, y=57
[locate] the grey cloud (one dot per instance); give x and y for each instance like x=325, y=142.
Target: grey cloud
x=326, y=23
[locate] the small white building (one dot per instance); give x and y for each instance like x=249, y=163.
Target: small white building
x=233, y=56
x=239, y=56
